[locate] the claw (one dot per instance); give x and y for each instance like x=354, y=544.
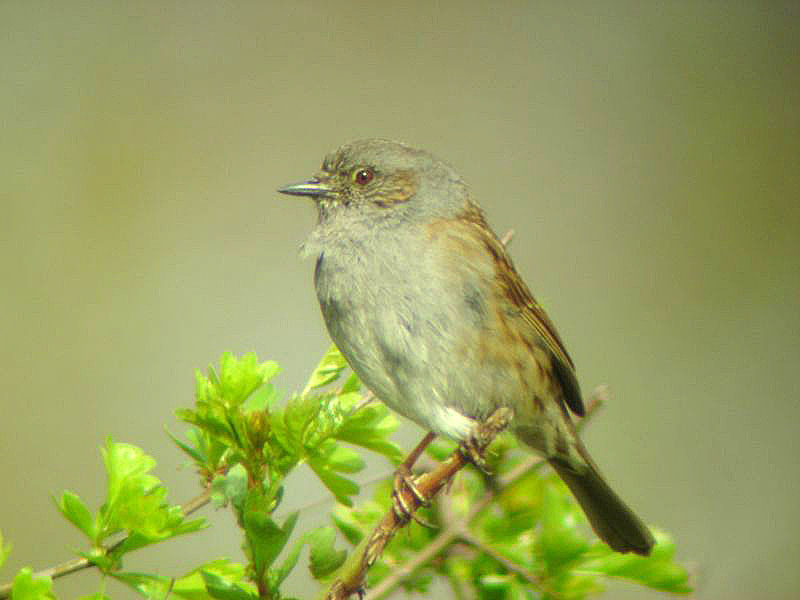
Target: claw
x=402, y=510
x=471, y=452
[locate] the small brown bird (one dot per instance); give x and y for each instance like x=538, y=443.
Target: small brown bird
x=424, y=302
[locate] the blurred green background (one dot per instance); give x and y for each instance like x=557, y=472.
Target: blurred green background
x=647, y=154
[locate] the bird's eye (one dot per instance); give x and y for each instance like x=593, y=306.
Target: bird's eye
x=363, y=176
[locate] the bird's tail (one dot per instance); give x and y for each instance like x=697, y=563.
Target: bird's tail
x=610, y=517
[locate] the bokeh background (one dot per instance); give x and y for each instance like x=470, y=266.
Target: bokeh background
x=647, y=154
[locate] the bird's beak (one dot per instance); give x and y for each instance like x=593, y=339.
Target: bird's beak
x=313, y=187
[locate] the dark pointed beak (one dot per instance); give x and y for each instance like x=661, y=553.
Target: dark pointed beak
x=313, y=187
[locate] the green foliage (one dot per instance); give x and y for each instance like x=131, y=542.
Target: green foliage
x=530, y=537
x=529, y=540
x=244, y=442
x=192, y=585
x=5, y=550
x=29, y=587
x=135, y=503
x=325, y=558
x=238, y=409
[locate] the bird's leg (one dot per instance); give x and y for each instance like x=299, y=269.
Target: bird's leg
x=403, y=477
x=473, y=448
x=471, y=451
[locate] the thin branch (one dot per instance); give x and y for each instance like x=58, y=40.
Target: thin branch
x=459, y=528
x=412, y=458
x=509, y=565
x=78, y=564
x=196, y=503
x=353, y=573
x=452, y=532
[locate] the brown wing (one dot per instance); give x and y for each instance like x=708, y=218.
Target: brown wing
x=533, y=313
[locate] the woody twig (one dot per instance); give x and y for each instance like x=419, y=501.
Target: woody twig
x=353, y=573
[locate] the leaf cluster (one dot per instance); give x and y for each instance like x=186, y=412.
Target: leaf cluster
x=244, y=442
x=526, y=539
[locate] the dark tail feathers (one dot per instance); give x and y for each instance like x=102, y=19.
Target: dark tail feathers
x=610, y=517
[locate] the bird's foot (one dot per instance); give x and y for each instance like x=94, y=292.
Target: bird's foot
x=402, y=510
x=473, y=448
x=472, y=451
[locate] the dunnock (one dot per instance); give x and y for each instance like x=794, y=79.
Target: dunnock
x=423, y=301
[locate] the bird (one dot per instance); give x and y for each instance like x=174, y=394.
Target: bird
x=425, y=304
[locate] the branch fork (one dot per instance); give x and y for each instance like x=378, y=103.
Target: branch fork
x=428, y=485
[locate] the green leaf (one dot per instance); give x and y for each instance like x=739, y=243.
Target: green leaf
x=282, y=440
x=136, y=501
x=76, y=512
x=192, y=586
x=521, y=505
x=238, y=378
x=301, y=414
x=269, y=369
x=149, y=586
x=349, y=527
x=231, y=487
x=560, y=540
x=518, y=591
x=140, y=539
x=496, y=584
x=213, y=449
x=328, y=370
x=213, y=420
x=282, y=572
x=28, y=587
x=205, y=450
x=353, y=384
x=440, y=449
x=221, y=588
x=370, y=428
x=325, y=559
x=195, y=454
x=5, y=550
x=576, y=584
x=222, y=404
x=266, y=538
x=658, y=571
x=364, y=517
x=261, y=399
x=126, y=468
x=341, y=487
x=344, y=460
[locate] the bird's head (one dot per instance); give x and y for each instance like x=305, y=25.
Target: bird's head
x=377, y=176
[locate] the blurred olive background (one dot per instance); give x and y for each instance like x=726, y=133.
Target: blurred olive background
x=648, y=156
